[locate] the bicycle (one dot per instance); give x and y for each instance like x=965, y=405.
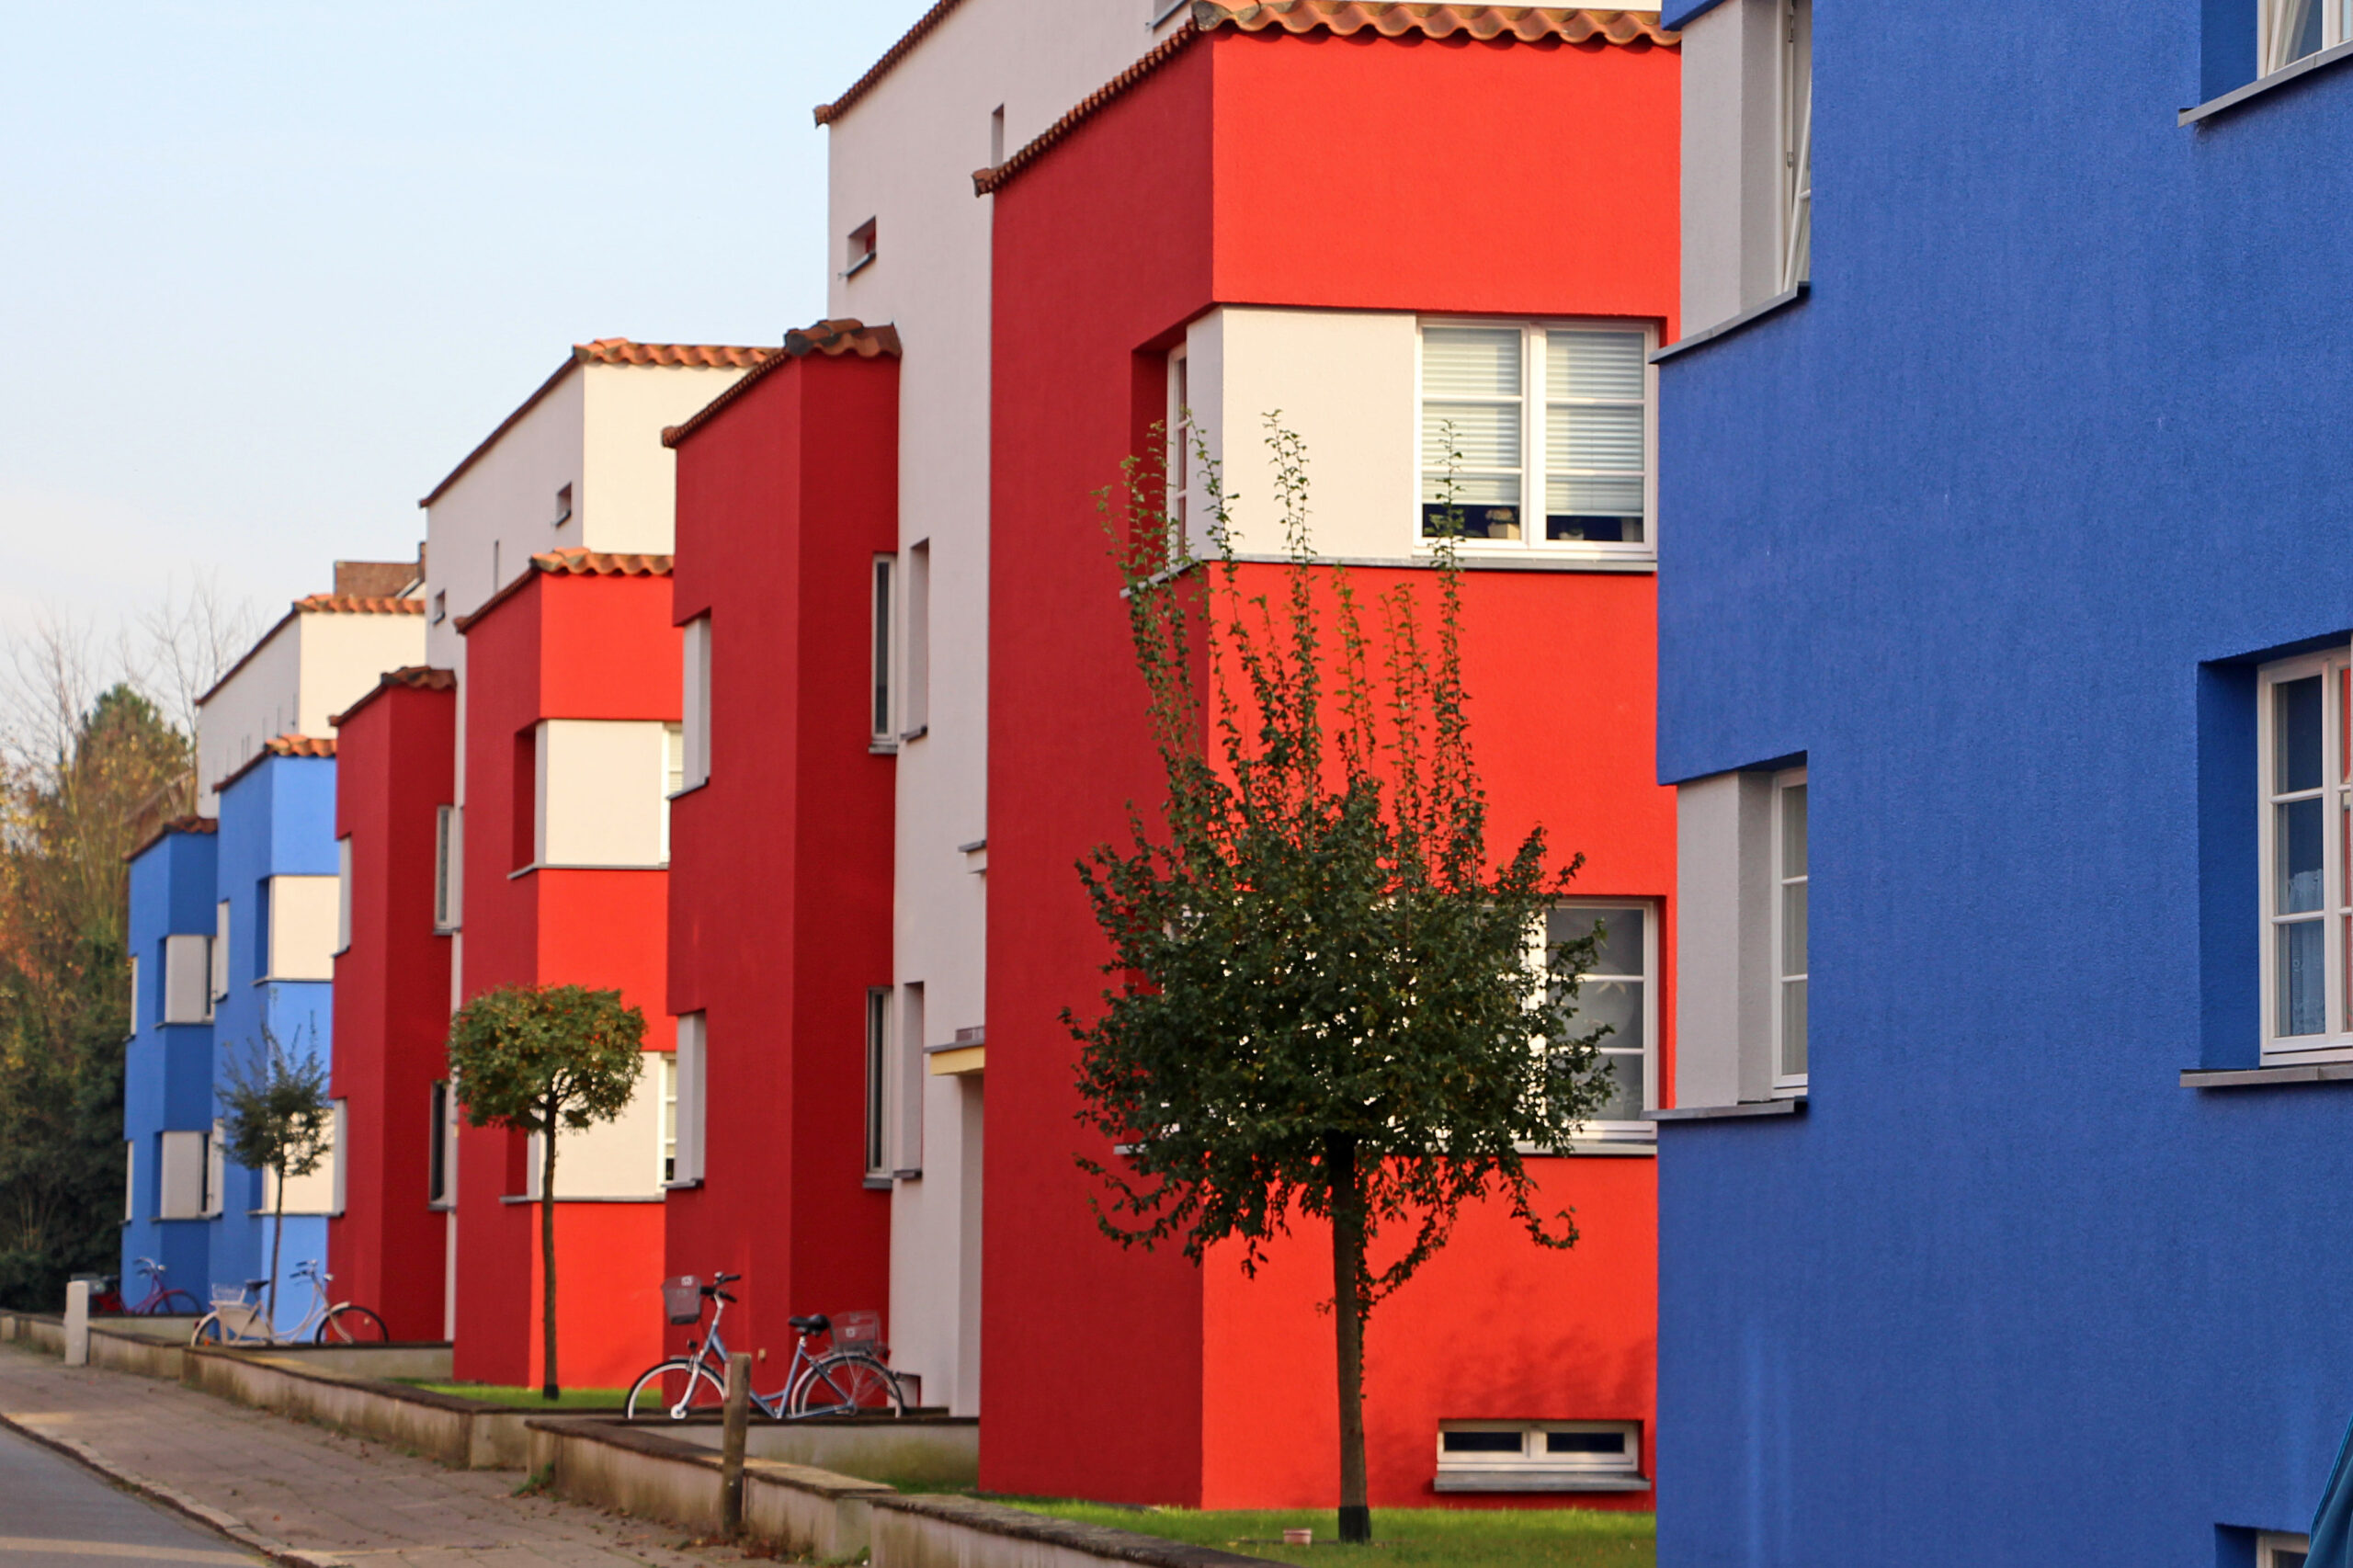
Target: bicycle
x=236, y=1316
x=849, y=1379
x=160, y=1300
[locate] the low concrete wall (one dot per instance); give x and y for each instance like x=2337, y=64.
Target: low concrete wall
x=44, y=1332
x=920, y=1450
x=964, y=1532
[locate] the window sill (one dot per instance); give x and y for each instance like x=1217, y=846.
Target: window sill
x=918, y=733
x=1725, y=329
x=1793, y=1105
x=689, y=1185
x=874, y=1182
x=537, y=866
x=861, y=264
x=2282, y=1076
x=649, y=1198
x=2262, y=84
x=881, y=748
x=1535, y=1480
x=686, y=790
x=912, y=1173
x=1518, y=559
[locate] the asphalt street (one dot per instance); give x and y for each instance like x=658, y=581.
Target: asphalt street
x=54, y=1513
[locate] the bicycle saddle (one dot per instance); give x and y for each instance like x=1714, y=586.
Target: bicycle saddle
x=256, y=1284
x=817, y=1324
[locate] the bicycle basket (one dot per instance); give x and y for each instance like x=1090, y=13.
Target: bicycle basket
x=858, y=1331
x=682, y=1299
x=228, y=1296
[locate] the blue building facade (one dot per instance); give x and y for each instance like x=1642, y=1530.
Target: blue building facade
x=2003, y=531
x=167, y=1065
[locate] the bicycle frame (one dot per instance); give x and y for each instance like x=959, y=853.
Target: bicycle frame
x=710, y=1358
x=301, y=1332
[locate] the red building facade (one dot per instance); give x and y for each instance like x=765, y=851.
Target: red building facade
x=395, y=751
x=780, y=912
x=1293, y=211
x=571, y=719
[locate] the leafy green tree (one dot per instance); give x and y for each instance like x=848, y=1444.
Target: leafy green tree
x=276, y=1117
x=1328, y=1001
x=81, y=783
x=537, y=1059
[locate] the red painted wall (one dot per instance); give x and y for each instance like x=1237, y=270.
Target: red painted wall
x=779, y=916
x=559, y=647
x=395, y=767
x=1324, y=173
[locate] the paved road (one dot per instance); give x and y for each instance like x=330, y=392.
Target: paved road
x=54, y=1513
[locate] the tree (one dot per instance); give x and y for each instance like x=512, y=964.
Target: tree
x=276, y=1117
x=1328, y=1002
x=78, y=763
x=536, y=1059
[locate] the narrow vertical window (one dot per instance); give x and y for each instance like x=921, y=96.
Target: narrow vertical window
x=1179, y=456
x=216, y=1169
x=906, y=1153
x=1788, y=930
x=691, y=1148
x=669, y=1148
x=1617, y=991
x=695, y=710
x=563, y=505
x=1596, y=436
x=187, y=979
x=134, y=997
x=1472, y=425
x=860, y=249
x=1797, y=142
x=445, y=867
x=2306, y=838
x=439, y=1130
x=523, y=847
x=130, y=1179
x=881, y=710
x=343, y=895
x=916, y=721
x=673, y=776
x=996, y=136
x=262, y=909
x=219, y=950
x=878, y=1073
x=340, y=1172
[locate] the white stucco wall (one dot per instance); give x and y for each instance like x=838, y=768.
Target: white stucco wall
x=304, y=914
x=343, y=655
x=627, y=502
x=307, y=668
x=904, y=156
x=601, y=795
x=621, y=1158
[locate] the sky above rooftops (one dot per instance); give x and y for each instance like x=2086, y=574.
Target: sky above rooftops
x=271, y=270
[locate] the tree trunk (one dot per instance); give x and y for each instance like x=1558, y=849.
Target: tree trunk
x=277, y=1234
x=1347, y=1322
x=548, y=1386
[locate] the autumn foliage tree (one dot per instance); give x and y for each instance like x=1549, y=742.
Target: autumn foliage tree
x=1329, y=1001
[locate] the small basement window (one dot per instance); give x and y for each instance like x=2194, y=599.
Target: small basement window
x=1540, y=1456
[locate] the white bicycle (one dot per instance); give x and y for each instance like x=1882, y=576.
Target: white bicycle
x=238, y=1317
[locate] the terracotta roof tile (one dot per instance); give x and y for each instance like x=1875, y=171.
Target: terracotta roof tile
x=1506, y=23
x=414, y=677
x=573, y=563
x=164, y=830
x=844, y=335
x=608, y=351
x=828, y=113
x=358, y=604
x=279, y=745
x=1525, y=24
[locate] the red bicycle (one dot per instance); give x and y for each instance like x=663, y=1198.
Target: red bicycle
x=160, y=1301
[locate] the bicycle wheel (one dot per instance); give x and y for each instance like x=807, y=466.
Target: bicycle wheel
x=348, y=1324
x=849, y=1383
x=208, y=1331
x=673, y=1390
x=172, y=1304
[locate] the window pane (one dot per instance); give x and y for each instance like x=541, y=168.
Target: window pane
x=1625, y=1101
x=1590, y=507
x=2298, y=829
x=1793, y=831
x=1482, y=1442
x=2304, y=980
x=1471, y=361
x=1793, y=928
x=1593, y=364
x=1592, y=436
x=1483, y=435
x=1621, y=944
x=1585, y=1442
x=2296, y=734
x=1793, y=1028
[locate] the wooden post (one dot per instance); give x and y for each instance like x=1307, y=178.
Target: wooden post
x=731, y=1450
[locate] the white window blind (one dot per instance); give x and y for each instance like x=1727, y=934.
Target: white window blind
x=1595, y=444
x=221, y=950
x=1471, y=418
x=695, y=756
x=134, y=996
x=181, y=1173
x=341, y=1131
x=188, y=980
x=693, y=1081
x=130, y=1179
x=1790, y=930
x=449, y=861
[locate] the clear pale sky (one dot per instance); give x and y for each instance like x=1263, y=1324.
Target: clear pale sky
x=268, y=270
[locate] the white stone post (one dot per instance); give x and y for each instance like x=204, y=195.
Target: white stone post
x=77, y=1324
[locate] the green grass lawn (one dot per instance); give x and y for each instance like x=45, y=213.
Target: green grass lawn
x=508, y=1393
x=1405, y=1537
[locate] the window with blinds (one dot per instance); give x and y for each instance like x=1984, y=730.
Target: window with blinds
x=1553, y=414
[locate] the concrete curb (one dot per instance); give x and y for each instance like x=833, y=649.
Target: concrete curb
x=226, y=1525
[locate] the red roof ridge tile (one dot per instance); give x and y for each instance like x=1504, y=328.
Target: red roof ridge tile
x=606, y=351
x=414, y=677
x=279, y=745
x=842, y=334
x=828, y=113
x=358, y=604
x=573, y=562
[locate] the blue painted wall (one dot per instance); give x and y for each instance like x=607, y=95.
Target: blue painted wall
x=167, y=1068
x=1991, y=528
x=278, y=820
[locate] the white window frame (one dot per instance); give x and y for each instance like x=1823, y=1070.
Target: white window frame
x=1534, y=1458
x=441, y=1155
x=1176, y=500
x=343, y=896
x=1786, y=1084
x=216, y=1170
x=1796, y=247
x=449, y=868
x=875, y=1124
x=907, y=1093
x=673, y=778
x=695, y=709
x=130, y=1179
x=220, y=986
x=339, y=1171
x=2280, y=23
x=915, y=639
x=1640, y=1133
x=693, y=1060
x=666, y=1148
x=2278, y=1549
x=2335, y=1042
x=881, y=653
x=133, y=1030
x=1532, y=411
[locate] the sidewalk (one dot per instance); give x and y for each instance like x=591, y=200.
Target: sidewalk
x=300, y=1491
